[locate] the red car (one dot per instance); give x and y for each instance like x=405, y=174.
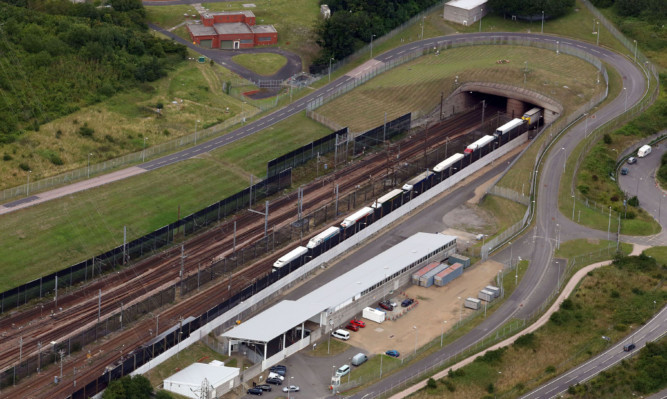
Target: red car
x=386, y=305
x=358, y=323
x=352, y=327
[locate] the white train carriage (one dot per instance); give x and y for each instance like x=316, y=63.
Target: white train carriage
x=478, y=144
x=323, y=237
x=296, y=253
x=387, y=198
x=508, y=127
x=416, y=180
x=447, y=163
x=357, y=216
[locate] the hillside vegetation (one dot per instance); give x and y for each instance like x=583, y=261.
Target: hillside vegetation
x=56, y=57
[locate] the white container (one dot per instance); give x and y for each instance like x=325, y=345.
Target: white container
x=375, y=315
x=472, y=303
x=485, y=295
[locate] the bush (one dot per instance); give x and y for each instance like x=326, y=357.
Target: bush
x=492, y=356
x=86, y=131
x=449, y=385
x=606, y=138
x=24, y=166
x=634, y=201
x=490, y=388
x=567, y=304
x=550, y=369
x=615, y=294
x=431, y=383
x=525, y=341
x=583, y=188
x=7, y=157
x=59, y=133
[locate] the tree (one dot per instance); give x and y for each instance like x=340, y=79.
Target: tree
x=531, y=8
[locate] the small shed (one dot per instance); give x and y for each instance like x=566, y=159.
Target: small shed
x=465, y=12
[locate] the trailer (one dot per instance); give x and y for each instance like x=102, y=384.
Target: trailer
x=389, y=197
x=417, y=275
x=472, y=303
x=426, y=280
x=357, y=216
x=420, y=178
x=444, y=277
x=292, y=255
x=323, y=237
x=373, y=315
x=478, y=144
x=533, y=116
x=485, y=295
x=644, y=151
x=456, y=258
x=447, y=163
x=508, y=127
x=495, y=290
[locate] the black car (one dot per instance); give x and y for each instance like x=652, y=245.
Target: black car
x=264, y=387
x=274, y=381
x=407, y=302
x=629, y=347
x=278, y=369
x=255, y=391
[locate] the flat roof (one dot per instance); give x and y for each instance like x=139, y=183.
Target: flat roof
x=232, y=28
x=201, y=30
x=263, y=29
x=195, y=373
x=287, y=314
x=247, y=13
x=466, y=4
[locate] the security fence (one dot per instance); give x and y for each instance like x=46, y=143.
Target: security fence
x=149, y=244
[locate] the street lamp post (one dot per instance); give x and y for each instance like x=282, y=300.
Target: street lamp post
x=424, y=20
x=415, y=328
x=27, y=186
x=330, y=59
x=598, y=33
x=88, y=170
x=481, y=14
x=557, y=46
x=626, y=98
x=443, y=332
x=542, y=22
x=372, y=36
x=573, y=207
x=564, y=158
x=586, y=127
x=635, y=50
x=143, y=152
x=609, y=225
x=196, y=121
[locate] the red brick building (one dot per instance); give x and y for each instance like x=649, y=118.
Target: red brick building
x=231, y=30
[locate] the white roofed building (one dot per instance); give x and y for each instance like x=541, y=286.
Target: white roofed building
x=465, y=12
x=198, y=377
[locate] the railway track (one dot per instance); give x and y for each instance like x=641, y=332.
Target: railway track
x=46, y=323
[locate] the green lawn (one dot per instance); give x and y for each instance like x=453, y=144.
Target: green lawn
x=265, y=64
x=416, y=86
x=330, y=347
x=659, y=253
x=590, y=250
x=51, y=236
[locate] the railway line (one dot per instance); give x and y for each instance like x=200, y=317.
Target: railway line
x=46, y=323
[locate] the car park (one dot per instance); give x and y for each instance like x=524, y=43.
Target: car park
x=358, y=323
x=255, y=391
x=386, y=305
x=264, y=387
x=291, y=388
x=392, y=353
x=407, y=302
x=343, y=370
x=632, y=160
x=341, y=334
x=352, y=327
x=274, y=381
x=629, y=347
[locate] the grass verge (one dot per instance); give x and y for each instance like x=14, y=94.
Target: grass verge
x=505, y=212
x=331, y=348
x=612, y=301
x=265, y=64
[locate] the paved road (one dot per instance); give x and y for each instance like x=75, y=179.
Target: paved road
x=651, y=331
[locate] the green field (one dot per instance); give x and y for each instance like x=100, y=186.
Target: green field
x=611, y=301
x=416, y=86
x=265, y=64
x=51, y=236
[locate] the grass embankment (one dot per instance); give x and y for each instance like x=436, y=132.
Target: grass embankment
x=416, y=86
x=118, y=125
x=587, y=251
x=265, y=64
x=295, y=29
x=196, y=353
x=642, y=374
x=44, y=238
x=611, y=301
x=593, y=177
x=662, y=172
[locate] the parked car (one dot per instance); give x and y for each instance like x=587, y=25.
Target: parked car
x=358, y=323
x=291, y=388
x=264, y=387
x=392, y=353
x=386, y=305
x=393, y=304
x=343, y=370
x=352, y=327
x=274, y=381
x=632, y=160
x=407, y=302
x=255, y=391
x=280, y=370
x=276, y=375
x=629, y=347
x=341, y=334
x=625, y=171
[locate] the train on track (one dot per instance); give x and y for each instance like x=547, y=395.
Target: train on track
x=389, y=202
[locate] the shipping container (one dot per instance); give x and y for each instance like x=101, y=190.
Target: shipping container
x=426, y=280
x=447, y=275
x=485, y=295
x=472, y=303
x=373, y=315
x=456, y=258
x=324, y=236
x=495, y=290
x=416, y=275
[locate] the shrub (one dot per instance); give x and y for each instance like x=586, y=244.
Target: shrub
x=490, y=388
x=449, y=385
x=492, y=356
x=615, y=294
x=567, y=304
x=431, y=383
x=24, y=166
x=583, y=188
x=634, y=201
x=559, y=318
x=166, y=132
x=525, y=341
x=86, y=131
x=55, y=159
x=59, y=133
x=7, y=157
x=606, y=138
x=550, y=369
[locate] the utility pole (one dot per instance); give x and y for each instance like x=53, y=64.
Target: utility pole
x=39, y=356
x=99, y=305
x=180, y=274
x=234, y=236
x=124, y=243
x=61, y=353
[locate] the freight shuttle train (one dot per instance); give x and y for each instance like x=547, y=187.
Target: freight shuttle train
x=397, y=197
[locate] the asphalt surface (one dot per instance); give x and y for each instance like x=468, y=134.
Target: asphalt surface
x=651, y=331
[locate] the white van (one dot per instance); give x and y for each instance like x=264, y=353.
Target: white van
x=341, y=334
x=644, y=151
x=359, y=359
x=342, y=370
